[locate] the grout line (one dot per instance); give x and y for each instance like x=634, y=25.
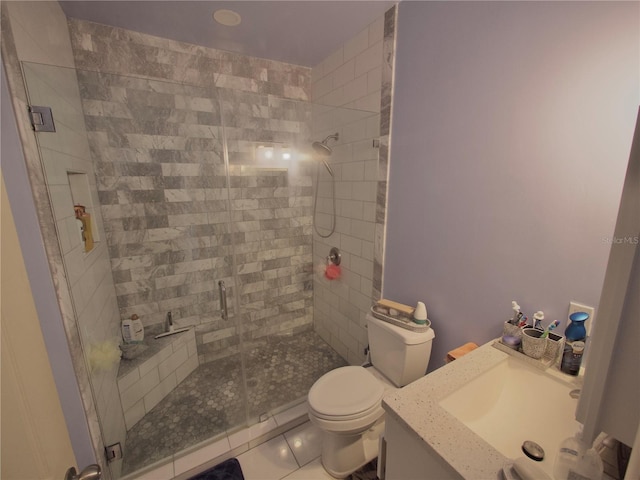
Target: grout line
x=292, y=452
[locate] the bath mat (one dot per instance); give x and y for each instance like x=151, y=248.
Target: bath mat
x=366, y=472
x=227, y=470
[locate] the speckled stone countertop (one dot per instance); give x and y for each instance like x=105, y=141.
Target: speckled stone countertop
x=417, y=408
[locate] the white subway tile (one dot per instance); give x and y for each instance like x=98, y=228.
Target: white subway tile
x=373, y=125
x=186, y=368
x=362, y=267
x=369, y=211
x=351, y=209
x=134, y=414
x=351, y=245
x=356, y=132
x=159, y=392
x=376, y=31
x=370, y=102
x=366, y=285
x=344, y=190
x=350, y=342
x=365, y=191
x=41, y=33
x=357, y=44
x=369, y=59
x=61, y=201
x=131, y=396
x=371, y=170
x=353, y=171
x=356, y=88
x=335, y=97
x=153, y=362
x=374, y=80
x=362, y=230
x=317, y=73
x=169, y=366
x=351, y=278
x=323, y=86
x=56, y=165
x=333, y=61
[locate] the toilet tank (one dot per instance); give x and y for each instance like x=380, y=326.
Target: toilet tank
x=399, y=354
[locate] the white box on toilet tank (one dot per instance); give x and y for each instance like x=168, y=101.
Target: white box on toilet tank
x=399, y=354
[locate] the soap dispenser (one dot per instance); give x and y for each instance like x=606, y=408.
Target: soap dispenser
x=576, y=459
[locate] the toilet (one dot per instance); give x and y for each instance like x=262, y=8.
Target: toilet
x=346, y=403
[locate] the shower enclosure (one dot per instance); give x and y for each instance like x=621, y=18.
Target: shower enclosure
x=190, y=189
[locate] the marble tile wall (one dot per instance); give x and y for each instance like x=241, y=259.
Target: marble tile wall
x=357, y=76
x=158, y=140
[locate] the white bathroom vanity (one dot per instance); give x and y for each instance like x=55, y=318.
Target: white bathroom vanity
x=470, y=418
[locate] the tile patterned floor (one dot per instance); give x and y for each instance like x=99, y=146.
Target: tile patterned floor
x=294, y=456
x=209, y=402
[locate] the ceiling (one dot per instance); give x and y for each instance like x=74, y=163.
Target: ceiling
x=298, y=32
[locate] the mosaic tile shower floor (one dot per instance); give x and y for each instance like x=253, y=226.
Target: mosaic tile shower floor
x=210, y=400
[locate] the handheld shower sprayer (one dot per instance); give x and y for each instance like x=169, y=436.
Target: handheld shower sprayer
x=323, y=150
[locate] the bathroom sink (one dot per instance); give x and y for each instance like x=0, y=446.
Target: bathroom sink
x=514, y=402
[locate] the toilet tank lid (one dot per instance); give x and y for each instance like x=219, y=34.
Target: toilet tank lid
x=408, y=337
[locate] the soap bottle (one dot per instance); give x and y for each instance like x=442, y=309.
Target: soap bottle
x=127, y=328
x=576, y=460
x=137, y=333
x=132, y=330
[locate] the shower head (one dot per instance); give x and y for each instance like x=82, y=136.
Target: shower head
x=325, y=150
x=322, y=148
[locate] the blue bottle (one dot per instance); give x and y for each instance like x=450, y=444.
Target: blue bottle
x=576, y=330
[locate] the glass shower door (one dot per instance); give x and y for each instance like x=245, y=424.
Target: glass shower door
x=145, y=159
x=270, y=168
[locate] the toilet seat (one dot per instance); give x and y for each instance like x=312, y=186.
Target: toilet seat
x=346, y=393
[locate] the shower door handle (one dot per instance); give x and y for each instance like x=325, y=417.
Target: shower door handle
x=223, y=300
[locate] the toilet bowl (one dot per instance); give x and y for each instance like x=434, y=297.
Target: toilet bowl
x=346, y=403
x=352, y=420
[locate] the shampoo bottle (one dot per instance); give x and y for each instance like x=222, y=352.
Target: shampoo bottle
x=132, y=330
x=137, y=333
x=127, y=328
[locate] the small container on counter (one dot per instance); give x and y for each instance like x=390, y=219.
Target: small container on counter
x=572, y=358
x=511, y=341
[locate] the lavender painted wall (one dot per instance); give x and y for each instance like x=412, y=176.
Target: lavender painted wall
x=512, y=124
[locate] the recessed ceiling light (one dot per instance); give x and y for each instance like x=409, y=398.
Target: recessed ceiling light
x=228, y=18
